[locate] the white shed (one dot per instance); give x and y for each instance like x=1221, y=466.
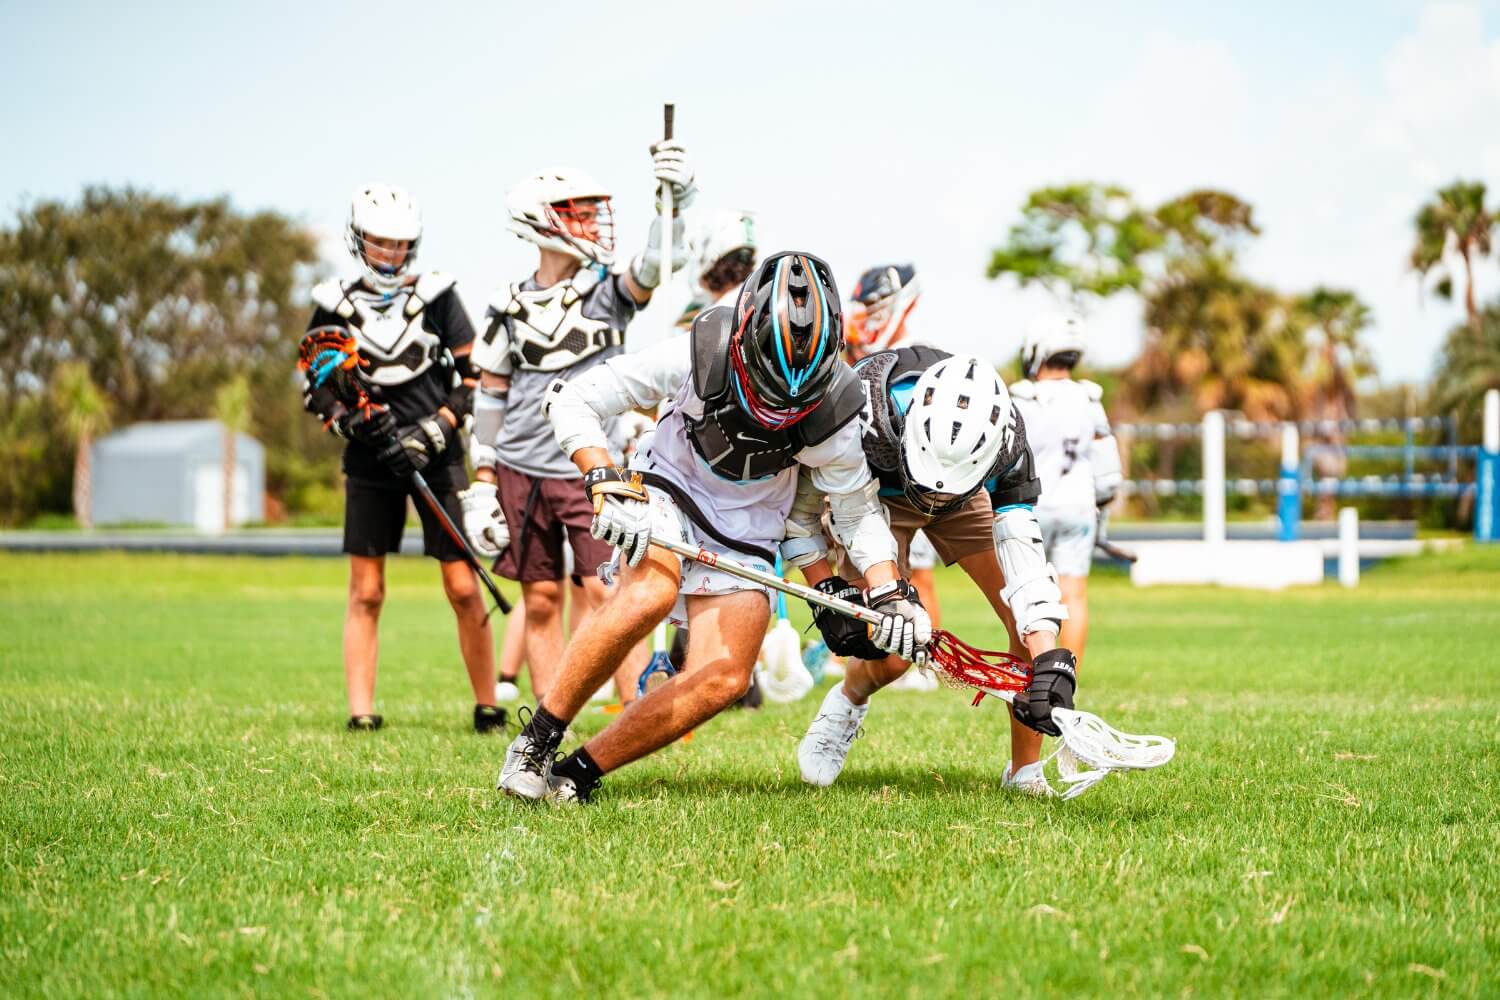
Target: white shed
x=172, y=472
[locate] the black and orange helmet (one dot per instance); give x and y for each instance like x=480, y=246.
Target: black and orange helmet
x=788, y=335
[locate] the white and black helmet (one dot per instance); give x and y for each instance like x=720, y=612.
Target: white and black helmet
x=1052, y=337
x=564, y=209
x=383, y=211
x=724, y=248
x=959, y=425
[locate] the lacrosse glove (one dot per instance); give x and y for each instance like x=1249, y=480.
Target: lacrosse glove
x=844, y=636
x=622, y=513
x=416, y=445
x=906, y=629
x=484, y=521
x=1054, y=678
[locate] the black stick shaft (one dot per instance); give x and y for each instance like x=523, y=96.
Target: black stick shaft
x=470, y=556
x=668, y=112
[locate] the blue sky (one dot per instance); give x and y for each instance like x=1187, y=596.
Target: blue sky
x=859, y=132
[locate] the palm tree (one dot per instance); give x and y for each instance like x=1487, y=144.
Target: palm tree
x=232, y=408
x=1458, y=219
x=85, y=412
x=1333, y=320
x=1467, y=367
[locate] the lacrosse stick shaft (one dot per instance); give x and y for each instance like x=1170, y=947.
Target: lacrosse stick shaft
x=470, y=556
x=668, y=112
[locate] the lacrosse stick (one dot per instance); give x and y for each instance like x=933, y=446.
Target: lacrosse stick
x=668, y=113
x=661, y=662
x=1086, y=738
x=783, y=675
x=1109, y=548
x=329, y=352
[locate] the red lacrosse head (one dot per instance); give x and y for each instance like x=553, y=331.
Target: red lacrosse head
x=982, y=669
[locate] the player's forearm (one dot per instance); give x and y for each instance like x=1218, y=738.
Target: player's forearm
x=590, y=458
x=1039, y=642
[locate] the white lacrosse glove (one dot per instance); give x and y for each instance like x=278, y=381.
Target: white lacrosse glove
x=622, y=513
x=646, y=268
x=904, y=629
x=669, y=164
x=484, y=521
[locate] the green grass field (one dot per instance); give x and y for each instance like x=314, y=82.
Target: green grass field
x=181, y=812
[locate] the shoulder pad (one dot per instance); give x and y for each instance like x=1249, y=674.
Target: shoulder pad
x=916, y=359
x=844, y=402
x=710, y=341
x=431, y=284
x=1093, y=390
x=584, y=280
x=328, y=294
x=1024, y=389
x=503, y=303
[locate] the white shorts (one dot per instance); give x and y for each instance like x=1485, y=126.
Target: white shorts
x=1068, y=536
x=698, y=580
x=922, y=554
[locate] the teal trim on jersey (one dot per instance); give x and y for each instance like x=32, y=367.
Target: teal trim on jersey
x=902, y=391
x=1014, y=506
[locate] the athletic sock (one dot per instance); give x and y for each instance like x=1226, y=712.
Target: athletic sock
x=581, y=767
x=544, y=727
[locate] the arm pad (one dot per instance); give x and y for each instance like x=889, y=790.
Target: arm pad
x=861, y=526
x=489, y=418
x=1031, y=589
x=805, y=543
x=1104, y=460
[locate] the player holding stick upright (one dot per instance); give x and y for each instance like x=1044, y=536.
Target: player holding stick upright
x=414, y=339
x=570, y=316
x=755, y=392
x=1076, y=457
x=951, y=456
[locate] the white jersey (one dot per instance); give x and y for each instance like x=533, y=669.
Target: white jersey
x=754, y=511
x=1063, y=417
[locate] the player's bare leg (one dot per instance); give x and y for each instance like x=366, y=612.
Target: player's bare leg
x=512, y=655
x=984, y=570
x=544, y=631
x=361, y=631
x=475, y=640
x=925, y=580
x=1075, y=631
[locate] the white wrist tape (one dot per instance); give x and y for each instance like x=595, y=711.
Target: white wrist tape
x=1031, y=589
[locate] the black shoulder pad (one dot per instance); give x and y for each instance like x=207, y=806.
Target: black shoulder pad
x=845, y=399
x=915, y=360
x=883, y=422
x=1019, y=483
x=710, y=340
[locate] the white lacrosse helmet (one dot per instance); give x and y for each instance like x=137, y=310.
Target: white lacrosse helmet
x=1048, y=337
x=721, y=234
x=382, y=211
x=564, y=209
x=959, y=424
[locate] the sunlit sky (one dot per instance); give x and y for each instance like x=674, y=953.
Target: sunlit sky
x=866, y=133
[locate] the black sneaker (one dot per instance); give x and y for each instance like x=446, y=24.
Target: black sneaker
x=490, y=719
x=365, y=723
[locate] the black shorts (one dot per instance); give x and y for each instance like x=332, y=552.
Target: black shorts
x=375, y=515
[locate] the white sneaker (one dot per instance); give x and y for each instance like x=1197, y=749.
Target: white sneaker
x=914, y=680
x=823, y=750
x=526, y=770
x=564, y=792
x=1029, y=780
x=506, y=691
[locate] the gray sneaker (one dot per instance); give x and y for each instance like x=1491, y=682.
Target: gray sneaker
x=527, y=770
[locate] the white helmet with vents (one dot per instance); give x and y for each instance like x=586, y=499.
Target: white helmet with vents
x=1050, y=336
x=384, y=212
x=958, y=426
x=564, y=209
x=722, y=233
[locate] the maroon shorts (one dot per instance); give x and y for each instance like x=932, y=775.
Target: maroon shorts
x=543, y=514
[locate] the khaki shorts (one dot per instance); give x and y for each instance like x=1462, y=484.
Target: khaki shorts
x=955, y=536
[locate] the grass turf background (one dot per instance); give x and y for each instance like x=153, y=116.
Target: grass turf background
x=181, y=812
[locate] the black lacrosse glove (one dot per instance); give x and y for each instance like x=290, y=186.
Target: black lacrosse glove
x=371, y=425
x=843, y=635
x=416, y=445
x=1054, y=678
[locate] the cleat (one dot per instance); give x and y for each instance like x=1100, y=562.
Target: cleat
x=823, y=750
x=1029, y=780
x=527, y=768
x=506, y=691
x=490, y=719
x=364, y=723
x=565, y=791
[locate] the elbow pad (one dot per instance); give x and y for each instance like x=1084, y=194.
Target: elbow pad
x=574, y=422
x=862, y=527
x=805, y=542
x=1104, y=460
x=489, y=418
x=1031, y=591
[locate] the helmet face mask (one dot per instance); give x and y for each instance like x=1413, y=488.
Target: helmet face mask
x=382, y=234
x=883, y=298
x=565, y=210
x=787, y=339
x=587, y=224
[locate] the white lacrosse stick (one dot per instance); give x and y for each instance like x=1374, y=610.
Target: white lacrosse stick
x=1086, y=738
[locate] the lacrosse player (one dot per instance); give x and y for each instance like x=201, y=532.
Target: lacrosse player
x=724, y=254
x=755, y=392
x=414, y=340
x=568, y=317
x=1076, y=457
x=950, y=454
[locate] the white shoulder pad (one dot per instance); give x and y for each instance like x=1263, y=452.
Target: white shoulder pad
x=328, y=294
x=504, y=301
x=431, y=284
x=1024, y=389
x=1093, y=390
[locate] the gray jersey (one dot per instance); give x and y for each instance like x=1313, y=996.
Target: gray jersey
x=526, y=443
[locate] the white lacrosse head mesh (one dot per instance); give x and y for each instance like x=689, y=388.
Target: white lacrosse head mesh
x=1071, y=780
x=1048, y=336
x=1098, y=744
x=530, y=205
x=782, y=674
x=959, y=423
